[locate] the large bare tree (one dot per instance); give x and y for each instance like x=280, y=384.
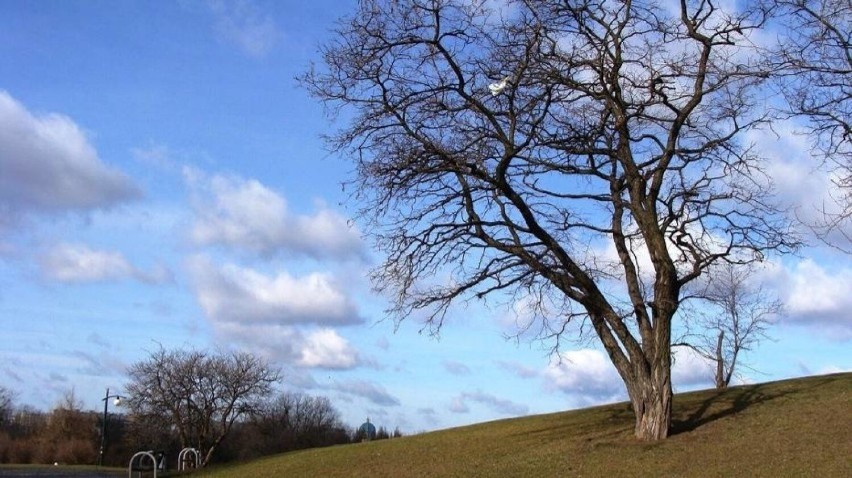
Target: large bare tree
x=587, y=154
x=200, y=394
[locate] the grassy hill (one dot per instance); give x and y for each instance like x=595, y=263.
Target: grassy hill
x=796, y=428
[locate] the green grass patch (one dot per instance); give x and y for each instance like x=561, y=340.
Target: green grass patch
x=800, y=427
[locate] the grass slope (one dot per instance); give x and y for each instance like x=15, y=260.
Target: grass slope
x=797, y=428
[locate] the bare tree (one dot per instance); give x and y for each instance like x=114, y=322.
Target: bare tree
x=71, y=434
x=298, y=421
x=6, y=406
x=199, y=393
x=731, y=317
x=815, y=57
x=498, y=154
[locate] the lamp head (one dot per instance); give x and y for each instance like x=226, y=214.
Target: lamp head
x=117, y=401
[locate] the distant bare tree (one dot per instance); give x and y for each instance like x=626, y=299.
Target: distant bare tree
x=499, y=154
x=815, y=55
x=6, y=406
x=731, y=317
x=201, y=394
x=70, y=433
x=308, y=421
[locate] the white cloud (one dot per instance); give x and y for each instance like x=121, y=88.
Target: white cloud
x=590, y=377
x=48, y=165
x=799, y=178
x=245, y=214
x=244, y=24
x=817, y=296
x=324, y=348
x=586, y=374
x=231, y=293
x=275, y=342
x=690, y=369
x=78, y=263
x=459, y=404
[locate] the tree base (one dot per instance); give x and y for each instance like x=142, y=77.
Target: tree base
x=653, y=417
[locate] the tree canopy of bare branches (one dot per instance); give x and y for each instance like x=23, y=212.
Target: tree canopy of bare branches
x=201, y=394
x=815, y=59
x=608, y=126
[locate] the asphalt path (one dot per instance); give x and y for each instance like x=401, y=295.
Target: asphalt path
x=57, y=473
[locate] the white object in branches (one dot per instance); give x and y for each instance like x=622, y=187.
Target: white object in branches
x=496, y=88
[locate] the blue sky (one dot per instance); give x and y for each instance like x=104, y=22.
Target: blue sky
x=163, y=182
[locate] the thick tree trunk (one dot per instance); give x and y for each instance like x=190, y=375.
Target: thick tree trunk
x=651, y=398
x=645, y=370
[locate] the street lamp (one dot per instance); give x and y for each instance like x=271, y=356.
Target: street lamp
x=117, y=402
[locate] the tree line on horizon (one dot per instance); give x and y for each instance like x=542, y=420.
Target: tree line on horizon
x=254, y=420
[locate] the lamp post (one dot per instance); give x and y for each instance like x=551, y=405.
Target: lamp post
x=103, y=423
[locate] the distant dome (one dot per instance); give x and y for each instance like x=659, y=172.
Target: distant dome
x=368, y=430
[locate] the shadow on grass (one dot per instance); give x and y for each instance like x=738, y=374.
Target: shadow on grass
x=611, y=422
x=725, y=403
x=606, y=423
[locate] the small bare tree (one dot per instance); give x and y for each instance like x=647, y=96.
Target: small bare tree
x=503, y=152
x=199, y=393
x=731, y=316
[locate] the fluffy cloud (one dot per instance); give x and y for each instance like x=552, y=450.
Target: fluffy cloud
x=245, y=214
x=319, y=349
x=77, y=263
x=800, y=183
x=586, y=374
x=816, y=296
x=589, y=375
x=48, y=165
x=324, y=348
x=231, y=293
x=244, y=24
x=459, y=404
x=690, y=369
x=267, y=313
x=273, y=341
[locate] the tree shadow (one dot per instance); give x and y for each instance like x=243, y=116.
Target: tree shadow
x=725, y=403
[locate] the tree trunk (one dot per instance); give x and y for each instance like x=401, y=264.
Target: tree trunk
x=651, y=398
x=646, y=372
x=721, y=382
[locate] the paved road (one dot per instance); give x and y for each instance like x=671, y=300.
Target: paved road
x=57, y=473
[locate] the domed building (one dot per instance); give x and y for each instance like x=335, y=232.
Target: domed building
x=367, y=430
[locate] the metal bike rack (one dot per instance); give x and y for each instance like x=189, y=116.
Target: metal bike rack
x=138, y=460
x=188, y=456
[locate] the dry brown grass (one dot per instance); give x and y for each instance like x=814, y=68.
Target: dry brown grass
x=796, y=428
